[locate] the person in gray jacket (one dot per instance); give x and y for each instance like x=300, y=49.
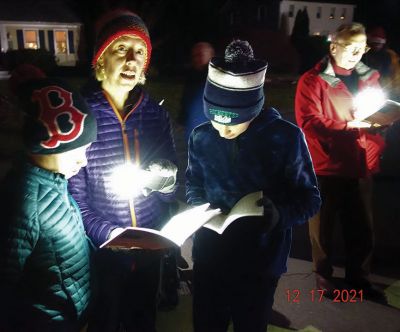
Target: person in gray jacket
x=44, y=252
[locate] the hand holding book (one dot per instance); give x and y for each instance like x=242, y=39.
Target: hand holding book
x=271, y=213
x=184, y=224
x=358, y=124
x=246, y=206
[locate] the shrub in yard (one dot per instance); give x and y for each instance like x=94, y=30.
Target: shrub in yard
x=40, y=58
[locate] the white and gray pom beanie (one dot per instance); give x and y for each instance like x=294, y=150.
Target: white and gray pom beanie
x=234, y=91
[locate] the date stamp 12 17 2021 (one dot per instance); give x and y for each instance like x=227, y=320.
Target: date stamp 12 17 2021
x=317, y=295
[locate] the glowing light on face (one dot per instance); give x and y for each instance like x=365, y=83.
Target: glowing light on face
x=124, y=62
x=69, y=163
x=367, y=102
x=348, y=52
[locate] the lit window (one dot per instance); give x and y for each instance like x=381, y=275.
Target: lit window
x=61, y=42
x=343, y=16
x=332, y=15
x=30, y=39
x=291, y=10
x=319, y=12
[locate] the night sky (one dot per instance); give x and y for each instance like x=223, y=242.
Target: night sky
x=369, y=12
x=385, y=13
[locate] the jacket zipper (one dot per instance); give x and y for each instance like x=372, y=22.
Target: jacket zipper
x=125, y=140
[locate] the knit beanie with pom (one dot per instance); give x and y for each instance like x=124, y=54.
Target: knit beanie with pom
x=234, y=91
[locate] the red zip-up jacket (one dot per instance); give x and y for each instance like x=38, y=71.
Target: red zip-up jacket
x=323, y=106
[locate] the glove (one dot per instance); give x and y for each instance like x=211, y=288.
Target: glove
x=271, y=213
x=162, y=177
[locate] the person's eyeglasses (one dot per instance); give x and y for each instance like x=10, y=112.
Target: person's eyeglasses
x=353, y=49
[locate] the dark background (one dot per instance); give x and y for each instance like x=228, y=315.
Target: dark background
x=175, y=25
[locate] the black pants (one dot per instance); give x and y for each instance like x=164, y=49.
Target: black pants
x=231, y=283
x=28, y=325
x=126, y=292
x=347, y=201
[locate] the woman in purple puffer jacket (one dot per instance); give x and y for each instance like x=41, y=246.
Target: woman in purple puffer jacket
x=131, y=128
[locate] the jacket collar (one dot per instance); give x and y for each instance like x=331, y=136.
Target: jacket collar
x=264, y=119
x=46, y=177
x=327, y=73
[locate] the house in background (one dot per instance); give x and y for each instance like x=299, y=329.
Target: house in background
x=48, y=24
x=324, y=16
x=253, y=13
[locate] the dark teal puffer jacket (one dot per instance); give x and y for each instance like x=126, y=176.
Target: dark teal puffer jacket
x=44, y=253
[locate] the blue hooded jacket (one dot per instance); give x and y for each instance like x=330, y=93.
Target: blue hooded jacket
x=270, y=156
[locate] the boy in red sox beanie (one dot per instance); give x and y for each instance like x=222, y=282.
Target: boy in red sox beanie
x=44, y=252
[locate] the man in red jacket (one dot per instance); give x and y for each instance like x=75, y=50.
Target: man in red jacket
x=345, y=154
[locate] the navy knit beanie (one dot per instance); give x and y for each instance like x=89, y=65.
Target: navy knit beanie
x=234, y=92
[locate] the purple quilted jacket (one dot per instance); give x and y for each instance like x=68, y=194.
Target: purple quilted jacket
x=143, y=135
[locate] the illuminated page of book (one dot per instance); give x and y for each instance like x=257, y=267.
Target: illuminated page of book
x=386, y=115
x=184, y=224
x=246, y=206
x=174, y=233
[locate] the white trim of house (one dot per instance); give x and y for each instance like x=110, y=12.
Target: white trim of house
x=41, y=24
x=63, y=58
x=318, y=26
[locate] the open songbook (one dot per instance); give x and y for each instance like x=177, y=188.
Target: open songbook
x=246, y=206
x=384, y=116
x=184, y=224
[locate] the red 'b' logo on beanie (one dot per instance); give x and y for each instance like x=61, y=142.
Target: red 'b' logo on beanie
x=50, y=113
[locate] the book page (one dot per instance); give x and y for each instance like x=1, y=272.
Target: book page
x=139, y=238
x=184, y=224
x=174, y=233
x=386, y=115
x=246, y=206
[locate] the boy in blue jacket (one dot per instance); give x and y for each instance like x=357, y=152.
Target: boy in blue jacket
x=244, y=149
